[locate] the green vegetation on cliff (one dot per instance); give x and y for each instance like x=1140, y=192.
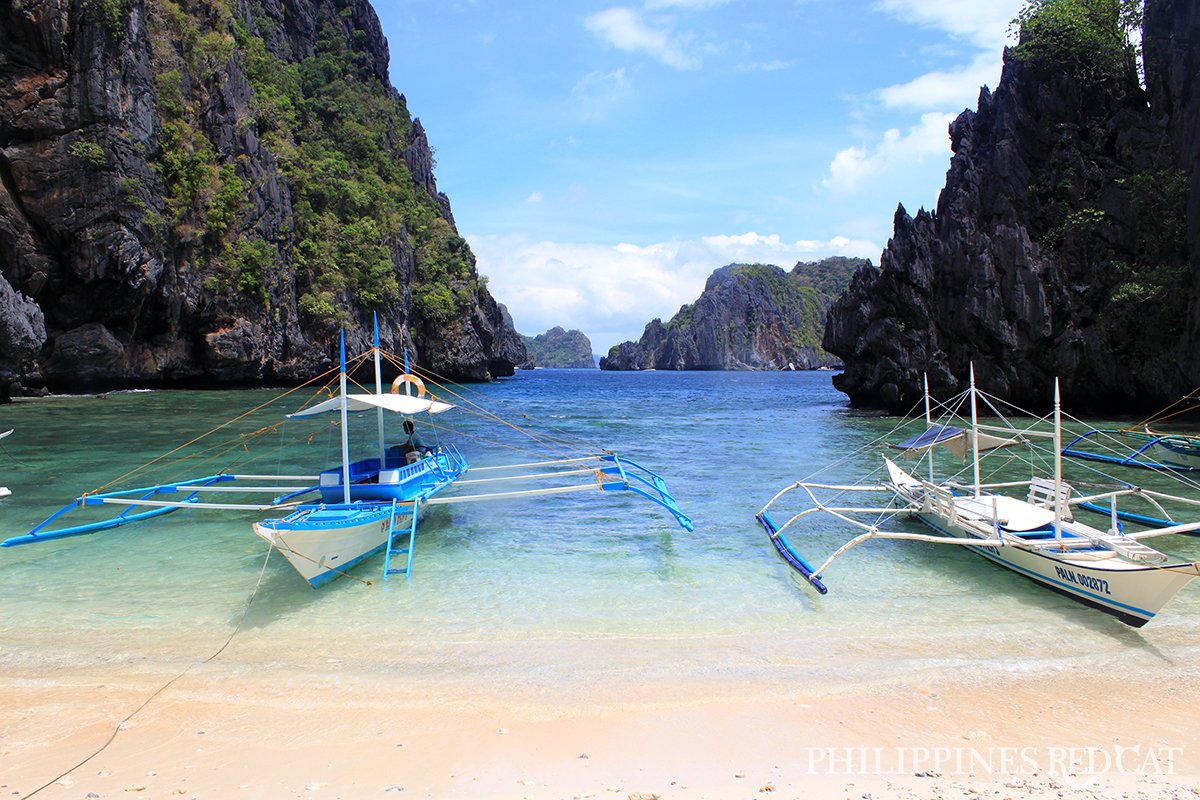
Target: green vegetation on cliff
x=558, y=348
x=339, y=136
x=750, y=316
x=1097, y=42
x=1092, y=39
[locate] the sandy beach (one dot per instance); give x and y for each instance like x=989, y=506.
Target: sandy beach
x=599, y=653
x=213, y=734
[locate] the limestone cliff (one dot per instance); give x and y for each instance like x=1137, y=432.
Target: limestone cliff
x=559, y=349
x=1065, y=243
x=204, y=193
x=749, y=316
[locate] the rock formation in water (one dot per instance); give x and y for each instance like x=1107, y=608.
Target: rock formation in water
x=204, y=193
x=1060, y=245
x=749, y=316
x=558, y=349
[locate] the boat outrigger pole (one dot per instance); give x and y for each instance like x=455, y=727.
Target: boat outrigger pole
x=345, y=424
x=974, y=431
x=379, y=390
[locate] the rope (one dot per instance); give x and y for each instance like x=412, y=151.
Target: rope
x=475, y=408
x=223, y=425
x=342, y=573
x=120, y=725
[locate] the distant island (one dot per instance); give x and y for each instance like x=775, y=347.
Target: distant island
x=749, y=317
x=558, y=349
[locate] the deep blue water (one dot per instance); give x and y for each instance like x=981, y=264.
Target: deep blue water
x=544, y=591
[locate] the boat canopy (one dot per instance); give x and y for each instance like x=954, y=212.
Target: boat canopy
x=953, y=439
x=399, y=403
x=937, y=434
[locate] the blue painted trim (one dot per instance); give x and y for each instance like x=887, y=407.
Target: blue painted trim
x=789, y=554
x=1131, y=460
x=1066, y=588
x=325, y=577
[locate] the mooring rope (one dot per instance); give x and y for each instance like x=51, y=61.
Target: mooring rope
x=120, y=725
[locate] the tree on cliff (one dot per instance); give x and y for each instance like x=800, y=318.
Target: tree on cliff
x=1066, y=240
x=1092, y=38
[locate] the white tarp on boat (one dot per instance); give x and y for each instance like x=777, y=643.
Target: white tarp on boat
x=398, y=403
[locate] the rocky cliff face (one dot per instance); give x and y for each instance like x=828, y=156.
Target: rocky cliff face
x=559, y=349
x=748, y=317
x=195, y=193
x=1059, y=247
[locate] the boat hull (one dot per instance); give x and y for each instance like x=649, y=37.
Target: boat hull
x=1177, y=452
x=322, y=543
x=1132, y=594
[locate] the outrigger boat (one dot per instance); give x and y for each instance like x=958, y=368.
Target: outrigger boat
x=1141, y=445
x=1146, y=448
x=1034, y=534
x=325, y=524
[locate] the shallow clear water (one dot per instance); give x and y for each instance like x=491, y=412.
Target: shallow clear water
x=536, y=593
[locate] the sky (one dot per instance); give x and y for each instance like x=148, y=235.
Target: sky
x=603, y=158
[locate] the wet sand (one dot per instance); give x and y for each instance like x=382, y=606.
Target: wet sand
x=215, y=733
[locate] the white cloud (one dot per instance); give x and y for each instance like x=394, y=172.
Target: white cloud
x=853, y=167
x=957, y=88
x=596, y=94
x=534, y=197
x=984, y=23
x=980, y=25
x=610, y=292
x=628, y=29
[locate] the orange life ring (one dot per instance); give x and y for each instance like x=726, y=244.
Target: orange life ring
x=408, y=379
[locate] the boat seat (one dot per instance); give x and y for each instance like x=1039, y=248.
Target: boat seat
x=1014, y=515
x=1041, y=494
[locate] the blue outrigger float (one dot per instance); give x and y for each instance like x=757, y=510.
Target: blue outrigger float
x=1145, y=449
x=327, y=523
x=1025, y=524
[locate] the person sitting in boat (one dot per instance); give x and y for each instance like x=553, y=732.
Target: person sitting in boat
x=413, y=447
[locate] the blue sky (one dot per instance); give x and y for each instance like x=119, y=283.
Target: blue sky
x=603, y=159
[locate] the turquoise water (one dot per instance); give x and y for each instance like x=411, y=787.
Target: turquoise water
x=541, y=594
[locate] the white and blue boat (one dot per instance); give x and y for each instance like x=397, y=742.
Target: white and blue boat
x=1146, y=448
x=365, y=503
x=1141, y=445
x=327, y=523
x=1025, y=525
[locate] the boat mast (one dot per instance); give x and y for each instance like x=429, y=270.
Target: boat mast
x=1057, y=464
x=928, y=423
x=345, y=426
x=379, y=390
x=974, y=431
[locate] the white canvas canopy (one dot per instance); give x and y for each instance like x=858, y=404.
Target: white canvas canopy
x=398, y=403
